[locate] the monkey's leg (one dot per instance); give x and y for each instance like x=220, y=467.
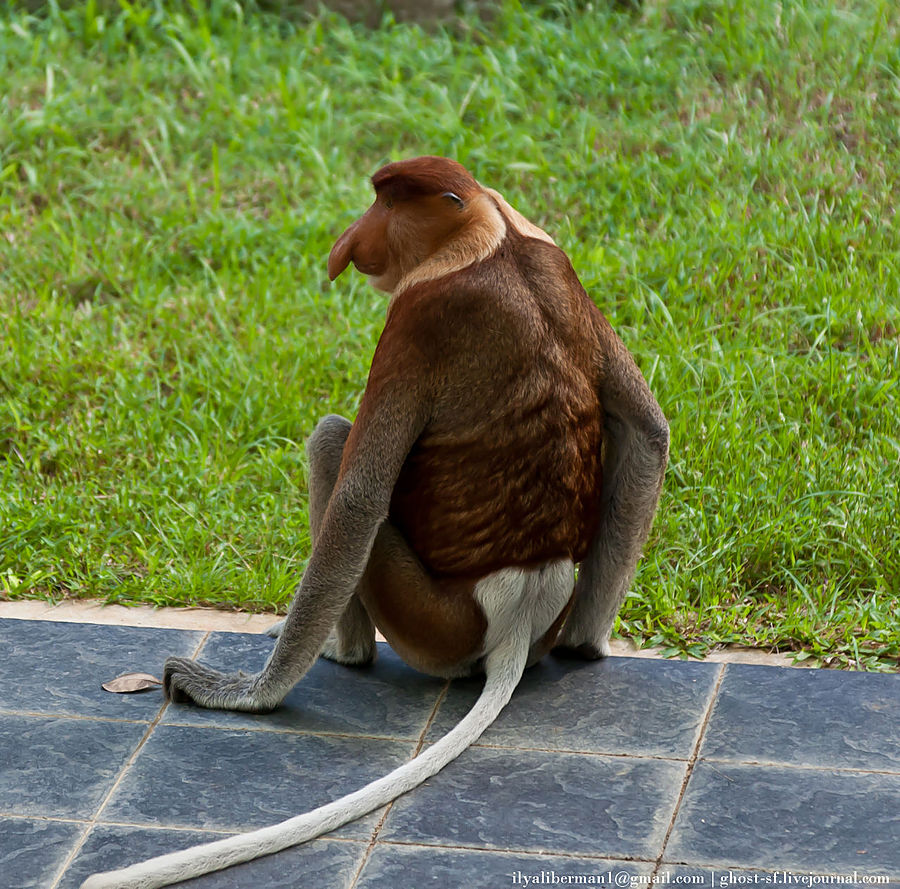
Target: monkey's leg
x=634, y=462
x=434, y=624
x=352, y=641
x=353, y=636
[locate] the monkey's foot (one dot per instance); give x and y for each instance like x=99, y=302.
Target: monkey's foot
x=185, y=681
x=587, y=651
x=358, y=653
x=275, y=630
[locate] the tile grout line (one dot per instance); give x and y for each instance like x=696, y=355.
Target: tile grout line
x=243, y=622
x=695, y=755
x=73, y=717
x=265, y=730
x=442, y=695
x=59, y=819
x=562, y=751
x=92, y=821
x=802, y=766
x=538, y=853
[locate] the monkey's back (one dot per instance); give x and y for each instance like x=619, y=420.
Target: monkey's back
x=507, y=471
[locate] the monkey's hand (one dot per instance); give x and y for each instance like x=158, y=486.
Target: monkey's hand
x=187, y=681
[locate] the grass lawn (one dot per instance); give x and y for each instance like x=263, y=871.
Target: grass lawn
x=724, y=176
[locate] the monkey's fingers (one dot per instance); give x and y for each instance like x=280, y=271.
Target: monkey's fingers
x=187, y=681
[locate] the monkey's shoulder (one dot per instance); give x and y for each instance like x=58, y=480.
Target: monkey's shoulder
x=454, y=315
x=525, y=281
x=532, y=270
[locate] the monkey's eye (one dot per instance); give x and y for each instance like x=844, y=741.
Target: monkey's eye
x=388, y=203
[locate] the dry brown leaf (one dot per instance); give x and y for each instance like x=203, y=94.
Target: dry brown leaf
x=129, y=683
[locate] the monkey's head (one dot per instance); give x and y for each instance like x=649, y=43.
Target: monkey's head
x=419, y=205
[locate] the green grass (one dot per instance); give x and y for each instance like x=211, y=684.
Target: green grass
x=724, y=176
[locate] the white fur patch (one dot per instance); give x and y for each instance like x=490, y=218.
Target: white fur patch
x=534, y=596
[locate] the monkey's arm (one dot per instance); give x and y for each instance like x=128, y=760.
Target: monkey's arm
x=635, y=453
x=390, y=419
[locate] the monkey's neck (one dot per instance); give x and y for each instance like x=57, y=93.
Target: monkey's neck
x=481, y=235
x=523, y=226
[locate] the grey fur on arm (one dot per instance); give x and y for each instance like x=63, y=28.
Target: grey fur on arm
x=341, y=547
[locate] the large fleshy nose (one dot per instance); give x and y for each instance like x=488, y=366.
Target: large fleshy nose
x=342, y=252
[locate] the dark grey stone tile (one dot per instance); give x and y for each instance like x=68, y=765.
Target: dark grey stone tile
x=32, y=852
x=617, y=705
x=744, y=878
x=325, y=864
x=59, y=667
x=387, y=699
x=795, y=819
x=391, y=866
x=61, y=767
x=830, y=718
x=537, y=801
x=234, y=780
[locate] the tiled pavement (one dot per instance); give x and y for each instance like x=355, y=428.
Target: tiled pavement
x=607, y=773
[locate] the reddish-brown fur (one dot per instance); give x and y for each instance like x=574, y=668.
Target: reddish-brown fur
x=434, y=623
x=424, y=177
x=505, y=354
x=476, y=455
x=507, y=471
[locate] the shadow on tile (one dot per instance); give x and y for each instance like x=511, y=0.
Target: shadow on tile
x=617, y=705
x=325, y=864
x=387, y=699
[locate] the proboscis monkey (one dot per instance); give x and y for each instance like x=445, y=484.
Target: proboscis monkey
x=505, y=436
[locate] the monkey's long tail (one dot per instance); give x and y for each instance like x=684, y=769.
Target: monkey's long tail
x=503, y=670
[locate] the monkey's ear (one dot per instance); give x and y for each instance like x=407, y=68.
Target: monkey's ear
x=450, y=196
